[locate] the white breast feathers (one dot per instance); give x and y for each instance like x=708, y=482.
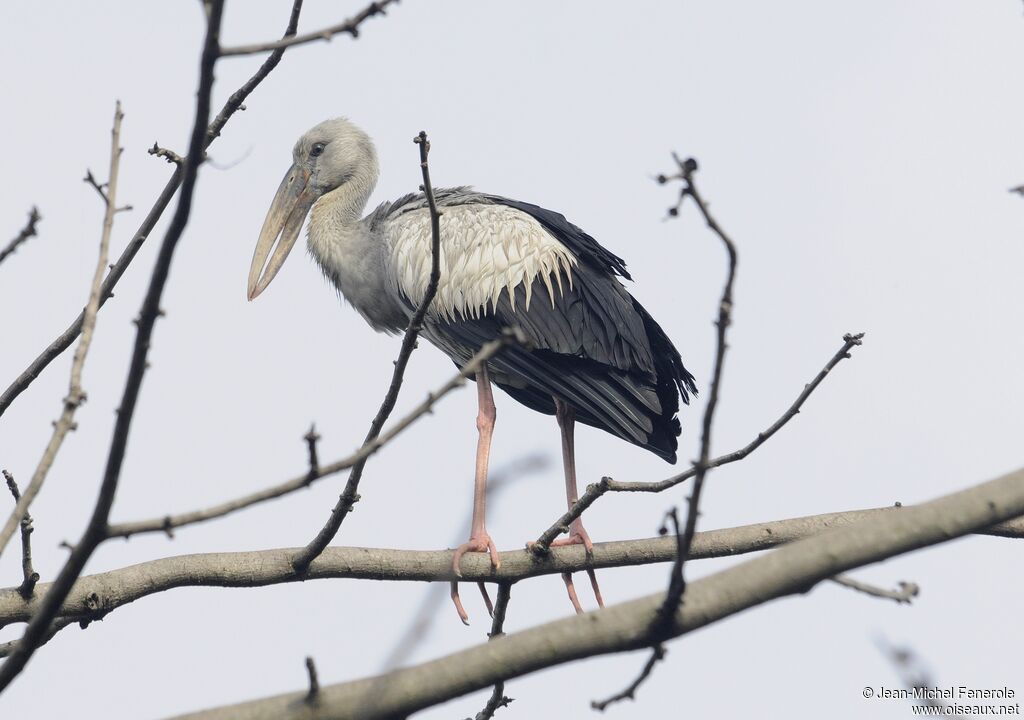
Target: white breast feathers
x=484, y=249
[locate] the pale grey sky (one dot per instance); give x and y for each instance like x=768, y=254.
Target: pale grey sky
x=858, y=153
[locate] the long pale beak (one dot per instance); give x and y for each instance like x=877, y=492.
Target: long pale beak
x=293, y=200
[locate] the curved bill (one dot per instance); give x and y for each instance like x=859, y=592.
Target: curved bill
x=284, y=219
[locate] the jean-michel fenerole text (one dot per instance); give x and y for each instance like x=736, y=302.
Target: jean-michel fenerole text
x=959, y=692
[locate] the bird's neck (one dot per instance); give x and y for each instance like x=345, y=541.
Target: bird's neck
x=344, y=205
x=350, y=255
x=336, y=235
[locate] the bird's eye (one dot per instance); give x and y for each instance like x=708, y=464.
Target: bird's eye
x=317, y=149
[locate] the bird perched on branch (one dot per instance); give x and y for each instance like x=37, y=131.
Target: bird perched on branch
x=593, y=353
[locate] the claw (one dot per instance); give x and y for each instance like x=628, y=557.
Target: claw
x=463, y=615
x=493, y=552
x=595, y=586
x=571, y=589
x=487, y=598
x=578, y=536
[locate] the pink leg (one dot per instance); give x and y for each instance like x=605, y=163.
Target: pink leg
x=479, y=540
x=566, y=417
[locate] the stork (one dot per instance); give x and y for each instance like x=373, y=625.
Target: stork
x=595, y=355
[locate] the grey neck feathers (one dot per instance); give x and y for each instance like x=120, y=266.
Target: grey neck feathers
x=350, y=255
x=346, y=202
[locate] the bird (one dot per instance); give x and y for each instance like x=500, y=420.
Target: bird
x=592, y=353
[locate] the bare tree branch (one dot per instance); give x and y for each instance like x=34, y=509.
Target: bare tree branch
x=76, y=395
x=107, y=591
x=677, y=583
x=24, y=234
x=596, y=490
x=656, y=656
x=905, y=594
x=350, y=27
x=64, y=340
x=350, y=496
x=789, y=570
x=314, y=682
x=29, y=575
x=498, y=699
x=237, y=100
x=169, y=155
x=674, y=596
x=168, y=523
x=95, y=531
x=8, y=647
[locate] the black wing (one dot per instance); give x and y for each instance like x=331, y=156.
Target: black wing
x=594, y=347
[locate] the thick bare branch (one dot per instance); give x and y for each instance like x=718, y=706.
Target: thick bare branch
x=96, y=529
x=596, y=490
x=793, y=569
x=103, y=592
x=350, y=27
x=350, y=495
x=76, y=395
x=168, y=523
x=29, y=230
x=65, y=339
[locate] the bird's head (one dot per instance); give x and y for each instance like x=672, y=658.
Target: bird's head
x=334, y=155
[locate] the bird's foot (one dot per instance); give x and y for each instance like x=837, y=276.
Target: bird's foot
x=479, y=542
x=578, y=536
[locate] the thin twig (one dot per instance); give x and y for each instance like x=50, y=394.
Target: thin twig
x=596, y=490
x=8, y=647
x=117, y=270
x=350, y=26
x=24, y=234
x=656, y=656
x=314, y=683
x=95, y=531
x=76, y=395
x=169, y=155
x=349, y=496
x=677, y=586
x=661, y=623
x=498, y=699
x=170, y=522
x=29, y=575
x=904, y=595
x=100, y=188
x=312, y=438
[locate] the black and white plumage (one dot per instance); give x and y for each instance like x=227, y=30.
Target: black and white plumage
x=596, y=355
